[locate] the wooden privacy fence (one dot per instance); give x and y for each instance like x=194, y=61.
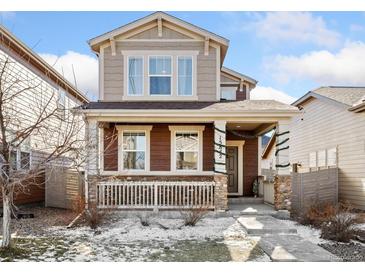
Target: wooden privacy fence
x=314, y=187
x=155, y=195
x=64, y=187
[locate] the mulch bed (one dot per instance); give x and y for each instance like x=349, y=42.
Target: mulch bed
x=44, y=218
x=351, y=252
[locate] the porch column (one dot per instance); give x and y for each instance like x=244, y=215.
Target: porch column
x=220, y=177
x=282, y=184
x=92, y=163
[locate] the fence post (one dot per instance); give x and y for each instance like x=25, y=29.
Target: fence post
x=155, y=186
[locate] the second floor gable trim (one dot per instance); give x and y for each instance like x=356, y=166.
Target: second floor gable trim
x=160, y=75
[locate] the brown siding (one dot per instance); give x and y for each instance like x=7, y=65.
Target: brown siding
x=110, y=149
x=241, y=95
x=160, y=148
x=208, y=148
x=250, y=165
x=160, y=145
x=32, y=193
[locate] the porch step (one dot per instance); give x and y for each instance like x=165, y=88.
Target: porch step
x=261, y=225
x=245, y=200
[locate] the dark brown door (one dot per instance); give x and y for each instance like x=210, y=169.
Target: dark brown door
x=232, y=169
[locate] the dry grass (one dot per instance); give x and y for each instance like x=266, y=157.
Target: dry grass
x=193, y=216
x=337, y=222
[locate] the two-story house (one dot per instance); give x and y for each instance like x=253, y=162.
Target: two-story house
x=173, y=127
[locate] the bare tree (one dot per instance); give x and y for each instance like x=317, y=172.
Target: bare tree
x=34, y=121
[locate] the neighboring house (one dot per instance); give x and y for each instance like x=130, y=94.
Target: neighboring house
x=27, y=67
x=174, y=128
x=268, y=161
x=330, y=131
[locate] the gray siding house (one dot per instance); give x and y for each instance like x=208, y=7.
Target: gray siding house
x=330, y=131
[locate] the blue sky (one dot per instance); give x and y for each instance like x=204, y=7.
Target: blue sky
x=287, y=52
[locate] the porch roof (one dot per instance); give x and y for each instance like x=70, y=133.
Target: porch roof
x=222, y=106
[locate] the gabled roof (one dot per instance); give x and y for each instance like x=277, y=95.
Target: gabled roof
x=95, y=42
x=238, y=75
x=8, y=40
x=351, y=97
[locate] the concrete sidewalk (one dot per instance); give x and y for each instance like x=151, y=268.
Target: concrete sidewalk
x=277, y=239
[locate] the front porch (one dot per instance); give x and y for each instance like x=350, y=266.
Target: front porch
x=175, y=166
x=179, y=159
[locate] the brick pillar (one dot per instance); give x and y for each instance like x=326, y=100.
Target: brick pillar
x=221, y=192
x=282, y=192
x=220, y=177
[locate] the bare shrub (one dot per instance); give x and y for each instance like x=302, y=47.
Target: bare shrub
x=340, y=228
x=194, y=215
x=317, y=214
x=78, y=205
x=144, y=219
x=94, y=216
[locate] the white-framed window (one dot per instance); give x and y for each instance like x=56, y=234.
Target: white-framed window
x=154, y=75
x=20, y=157
x=186, y=148
x=61, y=99
x=184, y=75
x=134, y=150
x=228, y=93
x=321, y=158
x=160, y=75
x=135, y=75
x=61, y=103
x=313, y=159
x=332, y=156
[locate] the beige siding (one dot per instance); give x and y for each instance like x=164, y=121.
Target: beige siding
x=25, y=109
x=324, y=125
x=153, y=34
x=226, y=79
x=269, y=161
x=206, y=67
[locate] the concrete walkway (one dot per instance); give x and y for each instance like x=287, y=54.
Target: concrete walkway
x=279, y=240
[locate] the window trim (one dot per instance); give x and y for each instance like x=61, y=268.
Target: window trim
x=137, y=129
x=18, y=152
x=186, y=129
x=146, y=96
x=160, y=75
x=192, y=75
x=127, y=74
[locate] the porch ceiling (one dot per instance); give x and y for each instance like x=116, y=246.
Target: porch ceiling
x=249, y=126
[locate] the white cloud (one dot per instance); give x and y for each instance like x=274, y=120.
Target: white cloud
x=269, y=93
x=346, y=67
x=356, y=28
x=296, y=27
x=85, y=67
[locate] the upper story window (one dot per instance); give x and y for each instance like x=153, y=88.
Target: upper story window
x=160, y=74
x=228, y=93
x=185, y=76
x=135, y=75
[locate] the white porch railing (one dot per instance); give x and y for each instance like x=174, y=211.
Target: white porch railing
x=155, y=195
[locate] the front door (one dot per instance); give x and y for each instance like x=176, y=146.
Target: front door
x=232, y=169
